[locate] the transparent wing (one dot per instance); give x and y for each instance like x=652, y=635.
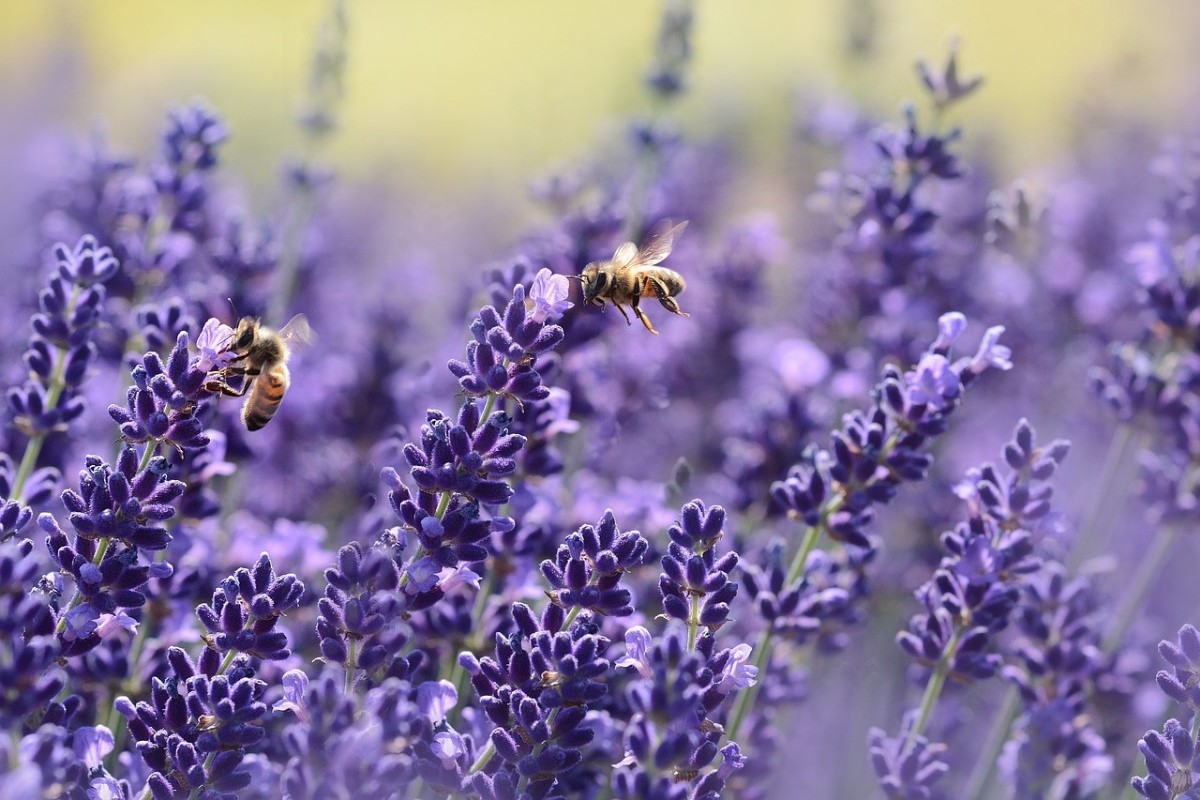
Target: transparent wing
x=625, y=255
x=659, y=241
x=297, y=333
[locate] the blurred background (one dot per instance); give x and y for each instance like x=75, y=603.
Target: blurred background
x=459, y=97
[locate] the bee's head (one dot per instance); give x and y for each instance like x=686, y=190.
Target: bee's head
x=245, y=333
x=593, y=281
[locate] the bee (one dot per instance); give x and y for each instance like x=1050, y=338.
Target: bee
x=633, y=273
x=261, y=360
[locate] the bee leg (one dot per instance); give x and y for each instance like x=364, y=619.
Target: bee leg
x=668, y=302
x=621, y=308
x=223, y=388
x=670, y=305
x=642, y=315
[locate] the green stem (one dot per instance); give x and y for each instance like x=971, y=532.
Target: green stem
x=54, y=390
x=115, y=720
x=762, y=651
x=351, y=658
x=1118, y=451
x=693, y=622
x=458, y=675
x=147, y=454
x=443, y=504
x=981, y=774
x=488, y=405
x=933, y=689
x=1131, y=601
x=485, y=756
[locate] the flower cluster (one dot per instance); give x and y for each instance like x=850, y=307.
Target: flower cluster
x=974, y=592
x=673, y=738
x=61, y=351
x=587, y=570
x=536, y=690
x=874, y=452
x=695, y=583
x=501, y=358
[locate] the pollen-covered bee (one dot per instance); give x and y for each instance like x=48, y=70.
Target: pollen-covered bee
x=261, y=359
x=633, y=273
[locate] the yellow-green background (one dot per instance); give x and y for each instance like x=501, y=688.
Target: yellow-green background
x=458, y=93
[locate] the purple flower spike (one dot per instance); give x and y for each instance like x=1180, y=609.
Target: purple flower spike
x=246, y=608
x=587, y=569
x=62, y=347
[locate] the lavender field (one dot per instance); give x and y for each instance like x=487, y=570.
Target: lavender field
x=876, y=478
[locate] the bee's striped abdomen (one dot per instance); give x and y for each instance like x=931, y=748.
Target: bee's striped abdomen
x=265, y=396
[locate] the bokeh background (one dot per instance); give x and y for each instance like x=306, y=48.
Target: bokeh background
x=459, y=97
x=450, y=110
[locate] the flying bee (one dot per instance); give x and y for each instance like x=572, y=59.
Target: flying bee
x=633, y=273
x=261, y=359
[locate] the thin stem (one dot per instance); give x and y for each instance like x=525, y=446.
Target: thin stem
x=147, y=454
x=485, y=756
x=458, y=675
x=443, y=504
x=693, y=622
x=489, y=405
x=1103, y=497
x=762, y=652
x=54, y=390
x=1131, y=601
x=351, y=658
x=981, y=774
x=933, y=689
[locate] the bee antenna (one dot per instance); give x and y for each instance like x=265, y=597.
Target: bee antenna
x=233, y=307
x=574, y=278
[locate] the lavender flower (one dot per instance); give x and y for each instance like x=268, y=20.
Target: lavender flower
x=587, y=570
x=161, y=405
x=695, y=584
x=60, y=352
x=500, y=359
x=245, y=611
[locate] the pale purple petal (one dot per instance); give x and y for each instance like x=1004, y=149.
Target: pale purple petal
x=737, y=673
x=92, y=744
x=447, y=746
x=422, y=575
x=295, y=687
x=637, y=648
x=436, y=698
x=548, y=296
x=452, y=578
x=109, y=625
x=213, y=343
x=950, y=327
x=991, y=352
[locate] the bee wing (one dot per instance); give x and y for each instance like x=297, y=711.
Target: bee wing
x=297, y=333
x=659, y=241
x=626, y=254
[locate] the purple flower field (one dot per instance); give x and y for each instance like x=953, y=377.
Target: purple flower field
x=891, y=493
